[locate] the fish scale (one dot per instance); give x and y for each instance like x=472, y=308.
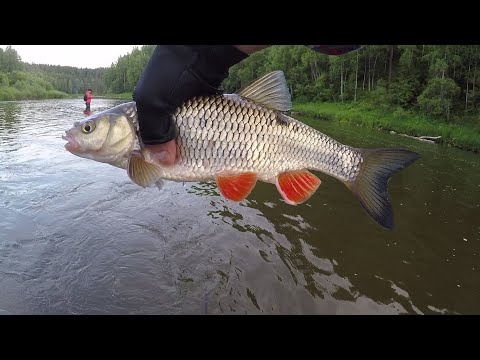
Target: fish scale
x=263, y=141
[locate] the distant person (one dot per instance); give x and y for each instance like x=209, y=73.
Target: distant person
x=88, y=99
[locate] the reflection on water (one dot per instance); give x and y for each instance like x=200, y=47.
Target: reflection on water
x=8, y=126
x=78, y=237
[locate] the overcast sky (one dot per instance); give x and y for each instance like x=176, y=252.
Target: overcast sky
x=81, y=56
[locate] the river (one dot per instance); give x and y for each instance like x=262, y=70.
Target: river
x=78, y=237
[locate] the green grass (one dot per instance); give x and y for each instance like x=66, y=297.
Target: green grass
x=29, y=93
x=461, y=135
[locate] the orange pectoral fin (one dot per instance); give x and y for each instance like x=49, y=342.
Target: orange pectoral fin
x=297, y=186
x=236, y=187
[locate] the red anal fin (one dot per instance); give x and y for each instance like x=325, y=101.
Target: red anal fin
x=236, y=187
x=297, y=186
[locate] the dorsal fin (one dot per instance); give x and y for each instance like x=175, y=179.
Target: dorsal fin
x=271, y=90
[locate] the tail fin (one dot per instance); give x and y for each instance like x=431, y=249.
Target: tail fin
x=370, y=186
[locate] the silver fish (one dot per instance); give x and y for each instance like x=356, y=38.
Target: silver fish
x=237, y=139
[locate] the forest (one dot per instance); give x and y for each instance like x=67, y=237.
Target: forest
x=416, y=89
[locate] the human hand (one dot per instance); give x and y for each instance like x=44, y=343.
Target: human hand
x=165, y=154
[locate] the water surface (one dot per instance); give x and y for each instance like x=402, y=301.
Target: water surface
x=78, y=237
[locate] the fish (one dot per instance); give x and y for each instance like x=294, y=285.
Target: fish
x=238, y=139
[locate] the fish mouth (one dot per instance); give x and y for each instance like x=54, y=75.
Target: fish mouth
x=72, y=145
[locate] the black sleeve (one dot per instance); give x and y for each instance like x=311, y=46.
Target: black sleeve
x=174, y=74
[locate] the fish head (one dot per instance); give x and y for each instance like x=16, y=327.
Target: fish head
x=106, y=137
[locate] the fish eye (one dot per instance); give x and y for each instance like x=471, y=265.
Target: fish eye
x=88, y=127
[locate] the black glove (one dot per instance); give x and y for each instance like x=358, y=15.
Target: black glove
x=174, y=74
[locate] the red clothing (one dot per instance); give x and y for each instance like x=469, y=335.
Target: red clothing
x=89, y=97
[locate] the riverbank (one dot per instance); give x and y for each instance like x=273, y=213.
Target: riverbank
x=462, y=135
x=14, y=94
x=122, y=96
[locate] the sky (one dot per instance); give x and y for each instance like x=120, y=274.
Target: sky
x=81, y=56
